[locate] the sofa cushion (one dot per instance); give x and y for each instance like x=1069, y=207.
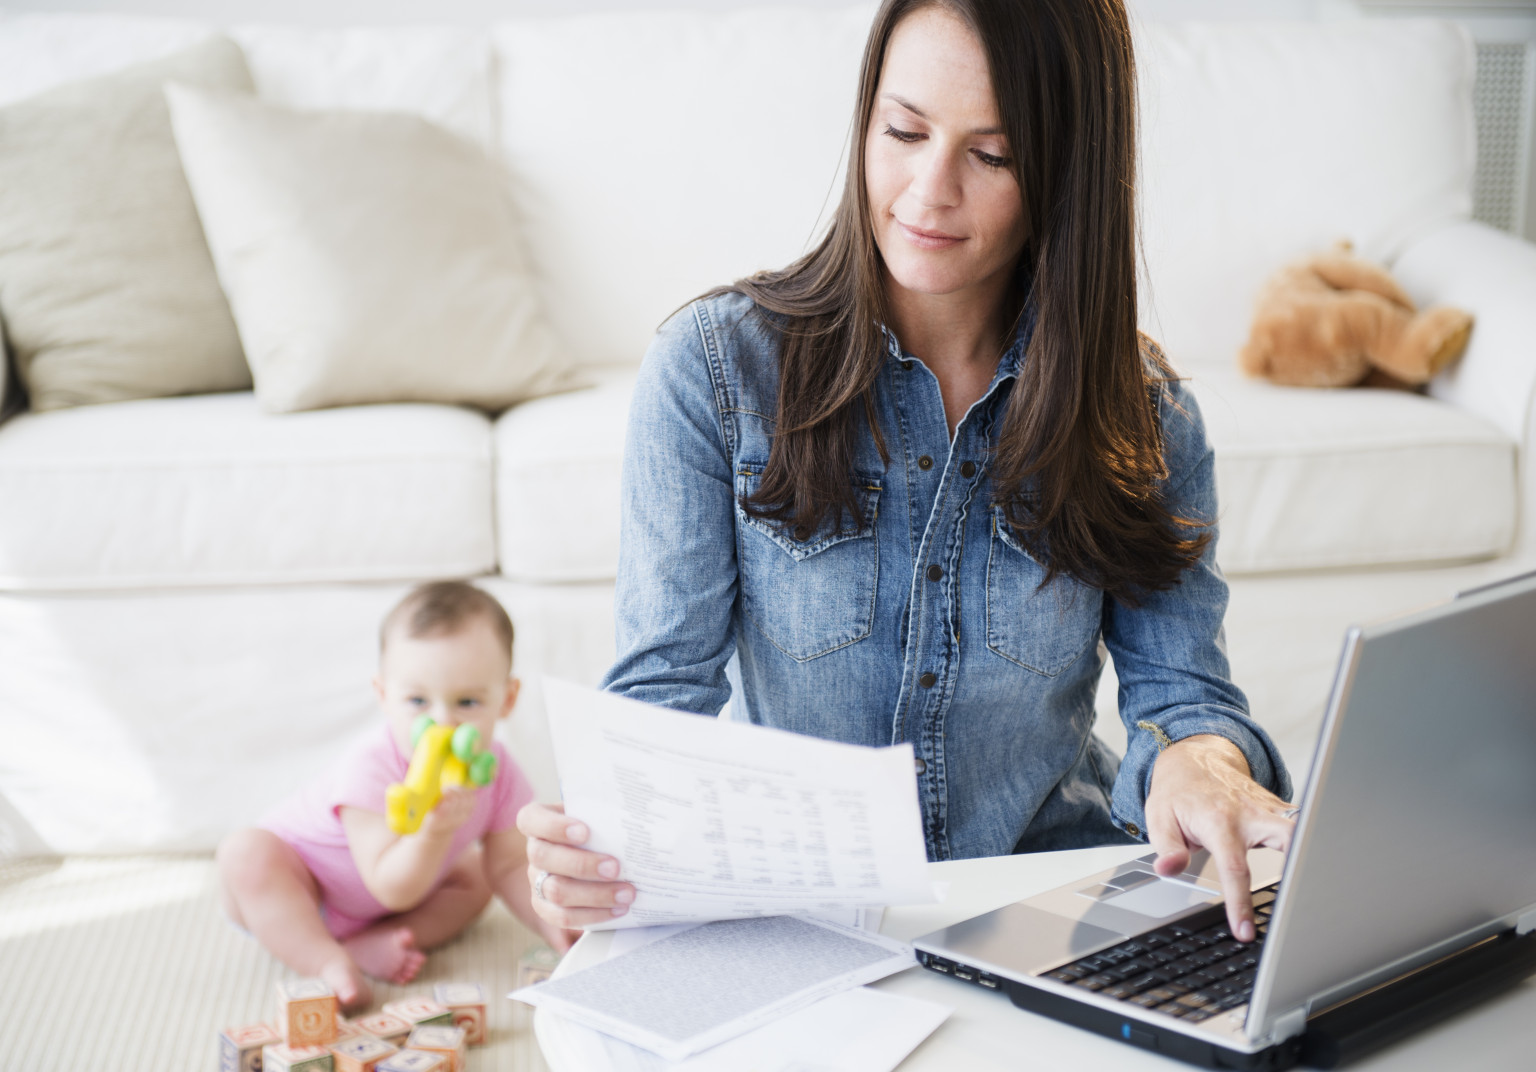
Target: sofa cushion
x=1306, y=478
x=1310, y=478
x=105, y=282
x=210, y=491
x=367, y=256
x=557, y=482
x=1258, y=147
x=720, y=153
x=441, y=73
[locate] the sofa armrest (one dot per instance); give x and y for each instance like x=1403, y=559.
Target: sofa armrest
x=1492, y=275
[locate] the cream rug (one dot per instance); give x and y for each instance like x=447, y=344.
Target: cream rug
x=126, y=963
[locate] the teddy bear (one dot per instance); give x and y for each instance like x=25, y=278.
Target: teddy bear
x=1337, y=320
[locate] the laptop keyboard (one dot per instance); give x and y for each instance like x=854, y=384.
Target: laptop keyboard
x=1193, y=969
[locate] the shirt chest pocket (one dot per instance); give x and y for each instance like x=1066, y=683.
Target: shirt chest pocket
x=1045, y=629
x=808, y=593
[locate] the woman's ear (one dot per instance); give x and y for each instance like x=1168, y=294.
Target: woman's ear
x=513, y=687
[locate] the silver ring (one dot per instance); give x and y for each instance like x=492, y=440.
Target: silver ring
x=1290, y=813
x=538, y=885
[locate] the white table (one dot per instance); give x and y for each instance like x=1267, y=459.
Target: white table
x=987, y=1032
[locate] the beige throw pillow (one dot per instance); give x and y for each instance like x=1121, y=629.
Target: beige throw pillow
x=368, y=256
x=105, y=281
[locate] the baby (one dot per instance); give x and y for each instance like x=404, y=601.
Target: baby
x=325, y=884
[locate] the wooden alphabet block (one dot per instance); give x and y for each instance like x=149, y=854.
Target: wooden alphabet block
x=448, y=1041
x=413, y=1061
x=419, y=1011
x=382, y=1025
x=240, y=1047
x=467, y=1003
x=280, y=1058
x=361, y=1053
x=307, y=1012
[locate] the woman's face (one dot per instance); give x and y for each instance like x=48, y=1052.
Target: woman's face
x=948, y=216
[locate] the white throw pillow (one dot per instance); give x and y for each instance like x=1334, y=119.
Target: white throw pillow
x=367, y=256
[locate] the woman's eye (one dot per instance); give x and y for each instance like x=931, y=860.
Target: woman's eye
x=902, y=135
x=992, y=161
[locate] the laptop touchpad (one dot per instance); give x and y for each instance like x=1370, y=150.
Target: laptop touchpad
x=1163, y=897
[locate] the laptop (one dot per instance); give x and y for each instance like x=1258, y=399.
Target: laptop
x=1427, y=755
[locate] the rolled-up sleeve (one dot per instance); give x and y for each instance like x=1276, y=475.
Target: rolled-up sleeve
x=1170, y=652
x=676, y=585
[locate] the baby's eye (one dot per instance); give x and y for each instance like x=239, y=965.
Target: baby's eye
x=469, y=703
x=416, y=701
x=902, y=135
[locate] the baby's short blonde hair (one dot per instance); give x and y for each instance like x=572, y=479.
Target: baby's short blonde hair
x=441, y=608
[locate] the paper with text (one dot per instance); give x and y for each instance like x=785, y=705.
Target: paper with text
x=704, y=985
x=726, y=820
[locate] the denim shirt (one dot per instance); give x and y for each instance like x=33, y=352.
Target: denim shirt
x=925, y=621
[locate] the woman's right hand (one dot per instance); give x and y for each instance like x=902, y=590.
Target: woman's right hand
x=579, y=889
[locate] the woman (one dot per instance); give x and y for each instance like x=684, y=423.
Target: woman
x=912, y=480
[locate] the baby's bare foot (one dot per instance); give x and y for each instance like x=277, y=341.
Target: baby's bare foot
x=387, y=953
x=352, y=990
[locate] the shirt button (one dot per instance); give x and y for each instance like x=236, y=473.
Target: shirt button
x=925, y=462
x=1133, y=830
x=927, y=680
x=921, y=766
x=935, y=573
x=968, y=470
x=906, y=366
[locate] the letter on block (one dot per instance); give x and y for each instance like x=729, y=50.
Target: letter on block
x=280, y=1058
x=448, y=1041
x=382, y=1025
x=467, y=1003
x=361, y=1053
x=413, y=1061
x=419, y=1011
x=240, y=1047
x=307, y=1012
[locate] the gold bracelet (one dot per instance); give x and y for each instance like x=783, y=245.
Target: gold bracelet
x=1163, y=743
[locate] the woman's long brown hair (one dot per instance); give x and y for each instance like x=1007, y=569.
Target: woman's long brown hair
x=1078, y=459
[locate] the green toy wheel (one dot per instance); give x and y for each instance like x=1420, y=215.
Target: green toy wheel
x=466, y=742
x=482, y=769
x=422, y=724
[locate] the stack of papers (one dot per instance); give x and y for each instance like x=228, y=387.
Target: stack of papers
x=763, y=994
x=707, y=984
x=726, y=820
x=749, y=849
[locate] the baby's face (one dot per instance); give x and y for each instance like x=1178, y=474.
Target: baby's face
x=456, y=678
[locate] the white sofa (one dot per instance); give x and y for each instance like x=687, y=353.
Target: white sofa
x=189, y=588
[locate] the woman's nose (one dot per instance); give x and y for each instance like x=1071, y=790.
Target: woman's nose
x=935, y=182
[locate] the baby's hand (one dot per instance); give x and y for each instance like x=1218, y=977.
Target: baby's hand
x=452, y=812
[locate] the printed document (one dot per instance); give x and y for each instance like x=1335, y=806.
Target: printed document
x=707, y=984
x=726, y=820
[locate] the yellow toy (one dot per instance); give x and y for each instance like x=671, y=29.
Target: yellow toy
x=444, y=756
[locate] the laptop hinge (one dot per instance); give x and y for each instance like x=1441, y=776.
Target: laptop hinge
x=1526, y=923
x=1288, y=1024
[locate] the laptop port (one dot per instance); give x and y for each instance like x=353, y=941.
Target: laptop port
x=938, y=964
x=987, y=981
x=965, y=975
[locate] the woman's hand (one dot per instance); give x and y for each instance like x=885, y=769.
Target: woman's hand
x=578, y=887
x=1204, y=797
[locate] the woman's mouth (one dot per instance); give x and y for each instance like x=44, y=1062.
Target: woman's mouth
x=924, y=238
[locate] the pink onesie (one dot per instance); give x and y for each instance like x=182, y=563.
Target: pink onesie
x=309, y=822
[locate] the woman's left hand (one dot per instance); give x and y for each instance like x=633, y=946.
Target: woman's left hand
x=1203, y=797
